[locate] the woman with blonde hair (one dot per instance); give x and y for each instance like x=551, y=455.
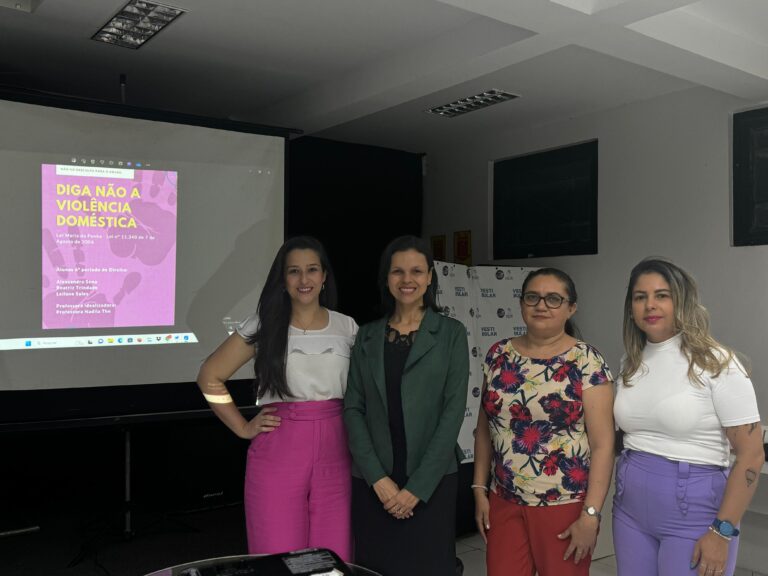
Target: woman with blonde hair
x=682, y=399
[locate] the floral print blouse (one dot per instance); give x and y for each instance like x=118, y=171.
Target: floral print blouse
x=536, y=419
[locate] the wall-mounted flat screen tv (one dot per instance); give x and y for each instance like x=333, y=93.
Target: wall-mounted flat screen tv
x=750, y=178
x=545, y=203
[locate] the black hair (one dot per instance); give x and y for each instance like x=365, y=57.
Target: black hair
x=274, y=312
x=402, y=244
x=570, y=288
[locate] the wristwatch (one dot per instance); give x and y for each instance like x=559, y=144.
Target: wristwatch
x=725, y=528
x=592, y=511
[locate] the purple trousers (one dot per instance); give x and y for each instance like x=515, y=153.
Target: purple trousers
x=660, y=509
x=298, y=482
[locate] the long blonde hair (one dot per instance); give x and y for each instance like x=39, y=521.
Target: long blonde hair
x=691, y=321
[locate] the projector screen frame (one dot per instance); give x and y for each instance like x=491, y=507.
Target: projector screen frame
x=104, y=406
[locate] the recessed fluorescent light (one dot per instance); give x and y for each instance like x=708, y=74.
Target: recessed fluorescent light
x=137, y=22
x=472, y=103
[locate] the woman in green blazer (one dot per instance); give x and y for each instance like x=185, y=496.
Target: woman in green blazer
x=404, y=404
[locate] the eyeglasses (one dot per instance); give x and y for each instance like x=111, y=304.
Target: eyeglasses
x=551, y=300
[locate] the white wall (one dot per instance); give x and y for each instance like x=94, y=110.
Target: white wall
x=664, y=190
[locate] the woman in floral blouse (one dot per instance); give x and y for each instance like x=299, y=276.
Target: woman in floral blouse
x=543, y=391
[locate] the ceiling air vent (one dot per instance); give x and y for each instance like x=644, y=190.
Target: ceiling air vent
x=472, y=103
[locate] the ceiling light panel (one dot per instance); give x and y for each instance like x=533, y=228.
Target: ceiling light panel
x=136, y=23
x=472, y=103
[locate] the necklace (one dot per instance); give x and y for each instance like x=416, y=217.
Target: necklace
x=295, y=320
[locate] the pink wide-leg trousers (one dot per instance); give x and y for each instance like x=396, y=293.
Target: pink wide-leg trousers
x=297, y=482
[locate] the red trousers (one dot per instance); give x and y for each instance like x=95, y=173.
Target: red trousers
x=523, y=540
x=298, y=482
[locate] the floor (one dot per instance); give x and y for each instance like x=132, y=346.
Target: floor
x=93, y=544
x=471, y=550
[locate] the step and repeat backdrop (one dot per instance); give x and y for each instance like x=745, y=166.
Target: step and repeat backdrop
x=486, y=300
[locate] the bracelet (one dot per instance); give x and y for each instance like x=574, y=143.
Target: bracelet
x=723, y=536
x=483, y=486
x=218, y=398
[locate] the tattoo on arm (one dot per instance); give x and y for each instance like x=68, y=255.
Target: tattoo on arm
x=752, y=427
x=751, y=476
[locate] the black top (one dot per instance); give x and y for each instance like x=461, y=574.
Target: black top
x=396, y=349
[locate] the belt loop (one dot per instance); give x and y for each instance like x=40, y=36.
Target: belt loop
x=683, y=472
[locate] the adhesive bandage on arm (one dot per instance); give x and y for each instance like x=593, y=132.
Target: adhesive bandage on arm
x=218, y=398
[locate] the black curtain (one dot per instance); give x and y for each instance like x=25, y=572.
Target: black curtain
x=354, y=199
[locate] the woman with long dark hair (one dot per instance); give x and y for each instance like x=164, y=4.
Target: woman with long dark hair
x=403, y=409
x=297, y=483
x=545, y=434
x=684, y=402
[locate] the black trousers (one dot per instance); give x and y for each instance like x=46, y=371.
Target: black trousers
x=424, y=545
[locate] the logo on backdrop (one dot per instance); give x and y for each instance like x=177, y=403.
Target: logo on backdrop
x=505, y=274
x=461, y=291
x=449, y=270
x=475, y=392
x=519, y=330
x=475, y=351
x=488, y=332
x=504, y=313
x=487, y=293
x=475, y=313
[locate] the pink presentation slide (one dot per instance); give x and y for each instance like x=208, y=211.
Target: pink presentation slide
x=109, y=247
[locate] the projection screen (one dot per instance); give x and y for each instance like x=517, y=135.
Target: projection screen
x=129, y=247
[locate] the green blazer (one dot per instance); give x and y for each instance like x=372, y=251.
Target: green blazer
x=434, y=397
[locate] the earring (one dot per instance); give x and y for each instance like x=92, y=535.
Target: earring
x=323, y=287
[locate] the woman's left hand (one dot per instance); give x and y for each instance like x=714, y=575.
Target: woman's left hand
x=401, y=505
x=583, y=535
x=710, y=555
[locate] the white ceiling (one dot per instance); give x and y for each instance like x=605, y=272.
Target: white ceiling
x=364, y=70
